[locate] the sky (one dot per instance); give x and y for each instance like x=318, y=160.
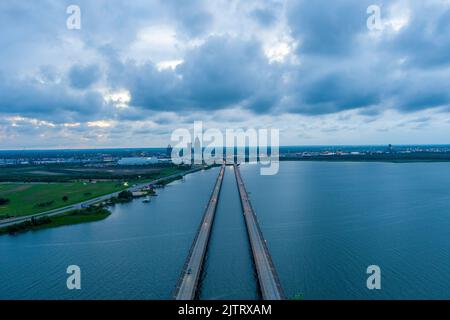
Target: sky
x=137, y=70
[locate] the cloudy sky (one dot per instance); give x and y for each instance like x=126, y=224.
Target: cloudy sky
x=137, y=70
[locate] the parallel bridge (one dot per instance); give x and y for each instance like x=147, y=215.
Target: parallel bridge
x=269, y=282
x=187, y=285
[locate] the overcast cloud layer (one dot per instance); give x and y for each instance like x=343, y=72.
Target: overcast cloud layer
x=139, y=69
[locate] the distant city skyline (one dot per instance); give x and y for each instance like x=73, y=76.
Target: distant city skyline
x=134, y=72
x=440, y=147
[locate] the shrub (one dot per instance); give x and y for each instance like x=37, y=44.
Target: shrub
x=125, y=195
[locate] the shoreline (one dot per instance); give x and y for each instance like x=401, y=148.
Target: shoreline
x=90, y=214
x=96, y=211
x=324, y=159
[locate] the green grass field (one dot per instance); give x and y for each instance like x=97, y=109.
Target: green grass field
x=31, y=198
x=70, y=173
x=26, y=198
x=70, y=218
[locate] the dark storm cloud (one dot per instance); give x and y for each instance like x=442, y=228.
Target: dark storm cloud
x=149, y=88
x=82, y=77
x=327, y=27
x=55, y=74
x=425, y=42
x=192, y=17
x=265, y=17
x=227, y=71
x=49, y=101
x=418, y=90
x=222, y=72
x=345, y=68
x=336, y=92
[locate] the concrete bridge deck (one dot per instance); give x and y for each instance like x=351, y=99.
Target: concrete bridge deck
x=186, y=288
x=269, y=282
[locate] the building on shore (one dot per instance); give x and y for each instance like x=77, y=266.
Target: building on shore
x=137, y=161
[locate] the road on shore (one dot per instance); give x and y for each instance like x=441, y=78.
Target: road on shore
x=80, y=205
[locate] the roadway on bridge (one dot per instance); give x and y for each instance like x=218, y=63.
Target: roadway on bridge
x=269, y=282
x=186, y=288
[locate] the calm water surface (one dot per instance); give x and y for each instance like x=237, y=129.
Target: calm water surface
x=324, y=224
x=136, y=253
x=228, y=270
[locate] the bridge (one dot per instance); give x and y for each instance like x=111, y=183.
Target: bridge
x=186, y=288
x=269, y=282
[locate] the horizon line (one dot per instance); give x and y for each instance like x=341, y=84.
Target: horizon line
x=282, y=146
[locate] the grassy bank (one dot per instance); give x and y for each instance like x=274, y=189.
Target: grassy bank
x=165, y=182
x=71, y=173
x=26, y=199
x=90, y=214
x=16, y=198
x=23, y=199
